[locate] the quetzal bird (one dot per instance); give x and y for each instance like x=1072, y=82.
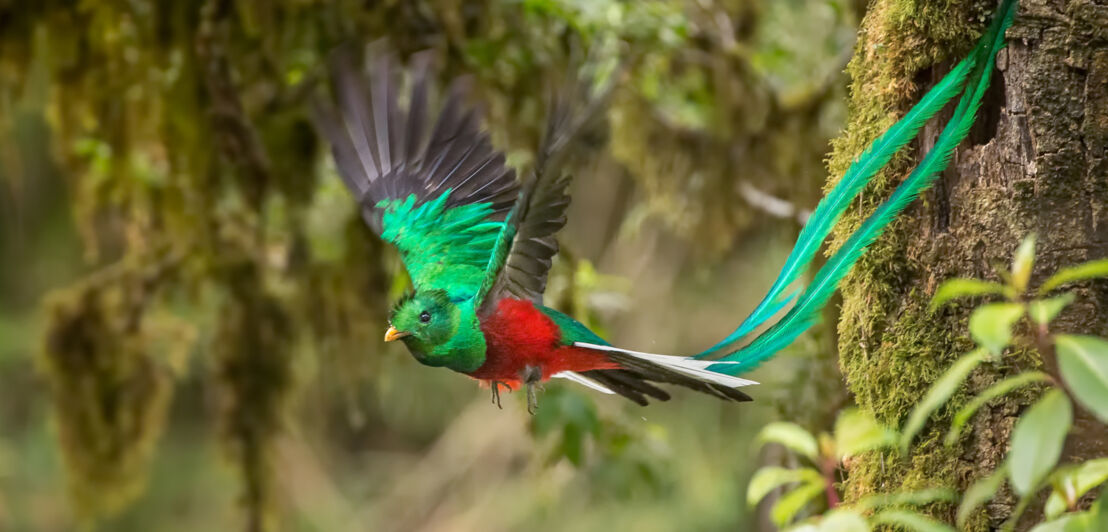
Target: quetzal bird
x=478, y=244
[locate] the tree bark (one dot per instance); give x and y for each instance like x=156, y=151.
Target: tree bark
x=1035, y=162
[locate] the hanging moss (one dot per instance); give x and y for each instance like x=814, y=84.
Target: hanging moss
x=110, y=392
x=714, y=95
x=252, y=349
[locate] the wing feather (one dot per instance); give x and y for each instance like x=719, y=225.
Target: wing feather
x=526, y=246
x=438, y=191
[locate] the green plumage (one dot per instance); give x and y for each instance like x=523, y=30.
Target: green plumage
x=572, y=330
x=445, y=248
x=449, y=336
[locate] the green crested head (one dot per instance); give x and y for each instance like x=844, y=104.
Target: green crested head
x=438, y=330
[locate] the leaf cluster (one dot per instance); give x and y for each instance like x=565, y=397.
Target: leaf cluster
x=1037, y=438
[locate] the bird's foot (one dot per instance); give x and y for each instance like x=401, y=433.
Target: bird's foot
x=532, y=398
x=532, y=377
x=495, y=385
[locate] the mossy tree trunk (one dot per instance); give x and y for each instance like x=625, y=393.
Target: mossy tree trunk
x=1035, y=162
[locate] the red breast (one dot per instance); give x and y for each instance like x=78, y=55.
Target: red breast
x=518, y=335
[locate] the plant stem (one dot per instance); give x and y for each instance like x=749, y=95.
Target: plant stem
x=829, y=466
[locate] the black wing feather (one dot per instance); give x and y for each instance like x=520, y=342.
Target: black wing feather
x=385, y=152
x=540, y=211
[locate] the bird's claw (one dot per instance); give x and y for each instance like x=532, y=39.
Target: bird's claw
x=532, y=377
x=532, y=399
x=496, y=393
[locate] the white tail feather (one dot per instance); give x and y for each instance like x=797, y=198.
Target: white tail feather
x=580, y=379
x=689, y=366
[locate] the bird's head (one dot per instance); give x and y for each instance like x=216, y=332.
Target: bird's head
x=437, y=330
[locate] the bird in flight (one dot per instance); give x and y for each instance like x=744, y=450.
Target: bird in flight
x=477, y=242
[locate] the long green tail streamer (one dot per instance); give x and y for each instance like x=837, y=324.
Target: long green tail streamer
x=970, y=77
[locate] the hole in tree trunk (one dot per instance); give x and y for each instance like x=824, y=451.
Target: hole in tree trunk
x=988, y=117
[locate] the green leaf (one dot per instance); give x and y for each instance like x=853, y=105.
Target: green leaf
x=992, y=392
x=1055, y=505
x=573, y=444
x=1098, y=519
x=792, y=502
x=1043, y=311
x=857, y=432
x=1090, y=475
x=843, y=521
x=1022, y=263
x=1083, y=361
x=939, y=393
x=910, y=520
x=1075, y=522
x=1073, y=483
x=1089, y=270
x=806, y=527
x=980, y=492
x=955, y=288
x=991, y=324
x=911, y=498
x=1057, y=525
x=770, y=478
x=1037, y=441
x=792, y=436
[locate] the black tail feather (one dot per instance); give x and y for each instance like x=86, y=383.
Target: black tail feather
x=628, y=383
x=634, y=382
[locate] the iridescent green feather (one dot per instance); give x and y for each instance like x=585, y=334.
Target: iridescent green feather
x=446, y=248
x=832, y=206
x=805, y=313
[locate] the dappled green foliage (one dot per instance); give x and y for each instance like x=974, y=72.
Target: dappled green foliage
x=1035, y=459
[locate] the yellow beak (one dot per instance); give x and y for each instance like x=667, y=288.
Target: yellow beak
x=393, y=334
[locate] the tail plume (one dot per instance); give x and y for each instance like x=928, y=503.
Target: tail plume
x=639, y=369
x=970, y=78
x=713, y=371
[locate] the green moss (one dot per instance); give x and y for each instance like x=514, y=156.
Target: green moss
x=684, y=108
x=891, y=347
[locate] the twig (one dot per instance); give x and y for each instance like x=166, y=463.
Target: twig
x=772, y=205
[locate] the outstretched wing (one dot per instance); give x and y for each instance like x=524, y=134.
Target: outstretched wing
x=526, y=245
x=439, y=192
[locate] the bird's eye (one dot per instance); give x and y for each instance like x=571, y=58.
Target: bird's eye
x=425, y=317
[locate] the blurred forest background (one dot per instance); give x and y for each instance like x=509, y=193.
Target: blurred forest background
x=191, y=308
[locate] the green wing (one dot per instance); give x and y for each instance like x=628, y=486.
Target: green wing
x=439, y=192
